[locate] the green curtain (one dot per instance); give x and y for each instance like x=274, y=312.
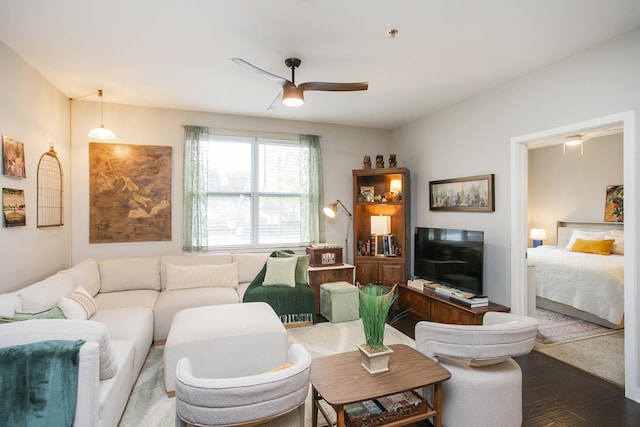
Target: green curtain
x=195, y=189
x=311, y=179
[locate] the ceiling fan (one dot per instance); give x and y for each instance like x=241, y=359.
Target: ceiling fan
x=292, y=95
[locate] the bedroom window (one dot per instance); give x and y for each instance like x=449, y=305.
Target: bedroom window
x=258, y=192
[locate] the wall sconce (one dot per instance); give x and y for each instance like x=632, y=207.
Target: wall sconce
x=380, y=227
x=570, y=141
x=537, y=235
x=331, y=210
x=101, y=132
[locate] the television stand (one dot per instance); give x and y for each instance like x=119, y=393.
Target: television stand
x=425, y=305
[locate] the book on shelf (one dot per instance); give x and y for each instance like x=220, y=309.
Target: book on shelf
x=400, y=400
x=447, y=292
x=362, y=410
x=473, y=302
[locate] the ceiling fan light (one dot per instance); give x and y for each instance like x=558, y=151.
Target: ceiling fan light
x=292, y=97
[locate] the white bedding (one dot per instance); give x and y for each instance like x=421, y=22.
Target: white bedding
x=588, y=282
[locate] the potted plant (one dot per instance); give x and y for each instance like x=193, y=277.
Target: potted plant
x=375, y=302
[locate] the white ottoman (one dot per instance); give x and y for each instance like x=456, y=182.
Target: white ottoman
x=339, y=301
x=225, y=341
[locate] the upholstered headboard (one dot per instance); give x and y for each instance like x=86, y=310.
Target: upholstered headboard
x=565, y=228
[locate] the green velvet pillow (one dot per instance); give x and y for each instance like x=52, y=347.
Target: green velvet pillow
x=280, y=272
x=53, y=313
x=301, y=267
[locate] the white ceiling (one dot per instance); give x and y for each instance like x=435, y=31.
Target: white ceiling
x=177, y=54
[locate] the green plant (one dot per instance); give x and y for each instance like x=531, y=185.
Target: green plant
x=375, y=302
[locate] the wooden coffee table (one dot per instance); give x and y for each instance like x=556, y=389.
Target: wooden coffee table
x=340, y=379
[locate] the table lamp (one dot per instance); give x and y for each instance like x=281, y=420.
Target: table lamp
x=380, y=226
x=537, y=235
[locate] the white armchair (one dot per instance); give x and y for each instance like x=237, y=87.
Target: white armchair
x=270, y=399
x=485, y=388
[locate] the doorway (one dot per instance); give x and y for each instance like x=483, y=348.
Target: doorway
x=520, y=146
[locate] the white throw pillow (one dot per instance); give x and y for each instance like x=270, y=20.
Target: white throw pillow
x=200, y=276
x=9, y=305
x=78, y=305
x=584, y=235
x=280, y=272
x=43, y=295
x=85, y=274
x=618, y=244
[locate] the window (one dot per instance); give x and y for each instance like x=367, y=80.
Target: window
x=257, y=191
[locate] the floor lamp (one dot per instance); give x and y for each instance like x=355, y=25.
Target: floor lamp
x=331, y=210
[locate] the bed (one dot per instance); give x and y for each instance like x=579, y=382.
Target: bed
x=587, y=286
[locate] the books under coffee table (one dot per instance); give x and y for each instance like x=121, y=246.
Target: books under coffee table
x=385, y=409
x=341, y=381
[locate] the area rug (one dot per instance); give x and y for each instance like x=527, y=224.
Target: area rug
x=555, y=328
x=602, y=356
x=149, y=405
x=587, y=346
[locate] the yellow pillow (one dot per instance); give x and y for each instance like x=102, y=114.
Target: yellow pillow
x=598, y=247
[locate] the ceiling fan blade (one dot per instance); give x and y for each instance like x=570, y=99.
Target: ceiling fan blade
x=280, y=80
x=338, y=87
x=276, y=102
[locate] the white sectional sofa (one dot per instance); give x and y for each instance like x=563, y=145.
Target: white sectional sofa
x=136, y=299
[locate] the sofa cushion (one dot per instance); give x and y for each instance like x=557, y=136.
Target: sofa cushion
x=44, y=294
x=215, y=259
x=19, y=333
x=280, y=272
x=129, y=273
x=201, y=276
x=78, y=305
x=249, y=265
x=85, y=274
x=170, y=302
x=9, y=304
x=133, y=324
x=136, y=298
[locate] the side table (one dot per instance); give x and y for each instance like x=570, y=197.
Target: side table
x=340, y=379
x=334, y=273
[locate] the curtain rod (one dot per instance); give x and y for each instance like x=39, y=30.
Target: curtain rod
x=248, y=131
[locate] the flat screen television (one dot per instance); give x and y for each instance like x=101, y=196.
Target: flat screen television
x=451, y=257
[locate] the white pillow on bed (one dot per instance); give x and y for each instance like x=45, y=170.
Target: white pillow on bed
x=585, y=235
x=618, y=245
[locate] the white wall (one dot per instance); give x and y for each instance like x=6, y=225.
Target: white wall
x=35, y=113
x=473, y=137
x=572, y=186
x=342, y=150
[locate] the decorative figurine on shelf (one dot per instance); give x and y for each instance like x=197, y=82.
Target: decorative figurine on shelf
x=379, y=161
x=367, y=162
x=392, y=161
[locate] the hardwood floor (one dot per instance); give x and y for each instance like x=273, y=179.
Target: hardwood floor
x=557, y=394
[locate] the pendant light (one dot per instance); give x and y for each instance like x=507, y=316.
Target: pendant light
x=101, y=132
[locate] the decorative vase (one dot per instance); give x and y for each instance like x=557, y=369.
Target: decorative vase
x=375, y=362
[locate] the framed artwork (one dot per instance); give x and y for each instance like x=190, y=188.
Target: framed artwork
x=129, y=193
x=13, y=158
x=14, y=210
x=469, y=194
x=614, y=204
x=368, y=192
